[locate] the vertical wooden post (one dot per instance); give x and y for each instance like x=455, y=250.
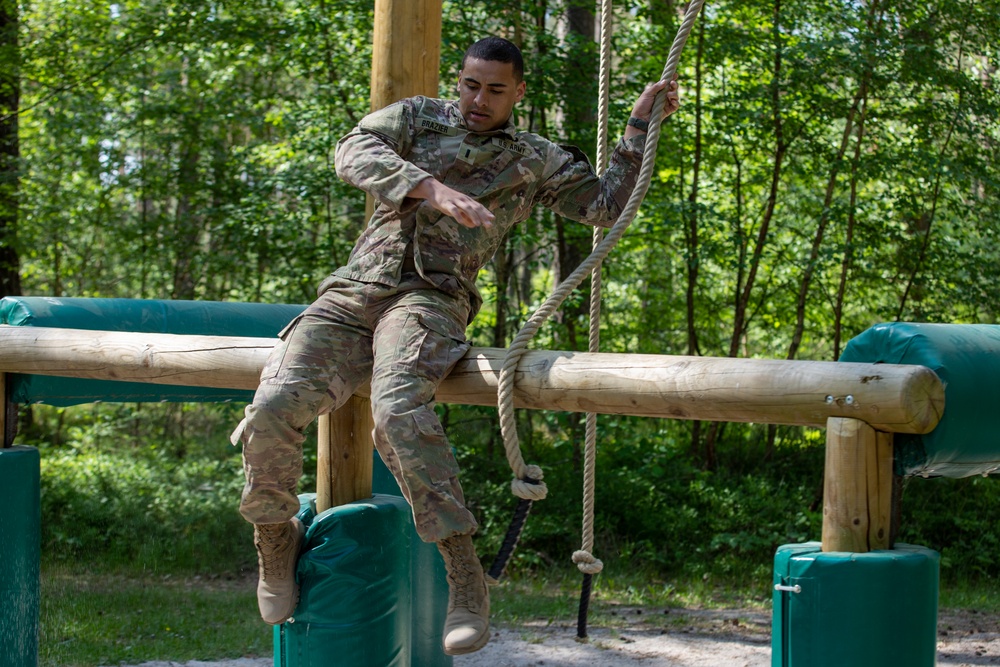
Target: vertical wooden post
x=857, y=487
x=344, y=459
x=406, y=50
x=406, y=55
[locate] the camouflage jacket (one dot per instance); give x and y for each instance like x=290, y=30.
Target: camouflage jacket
x=392, y=150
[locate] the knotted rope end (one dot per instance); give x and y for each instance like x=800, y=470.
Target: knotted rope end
x=587, y=563
x=530, y=486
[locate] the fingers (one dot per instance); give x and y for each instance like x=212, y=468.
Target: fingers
x=464, y=209
x=644, y=105
x=470, y=213
x=673, y=101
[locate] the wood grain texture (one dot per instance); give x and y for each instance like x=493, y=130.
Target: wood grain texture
x=893, y=398
x=857, y=487
x=406, y=50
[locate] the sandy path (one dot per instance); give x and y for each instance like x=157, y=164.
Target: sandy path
x=677, y=638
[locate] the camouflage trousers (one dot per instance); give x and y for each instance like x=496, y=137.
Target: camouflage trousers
x=404, y=339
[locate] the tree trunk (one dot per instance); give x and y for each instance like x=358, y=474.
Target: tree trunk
x=845, y=267
x=874, y=21
x=10, y=93
x=780, y=149
x=692, y=243
x=860, y=98
x=574, y=241
x=924, y=222
x=691, y=238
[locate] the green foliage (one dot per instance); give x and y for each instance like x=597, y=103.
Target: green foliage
x=652, y=506
x=959, y=518
x=116, y=495
x=154, y=512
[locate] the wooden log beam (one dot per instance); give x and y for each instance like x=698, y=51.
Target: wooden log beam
x=889, y=397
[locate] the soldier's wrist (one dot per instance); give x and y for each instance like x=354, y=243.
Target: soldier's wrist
x=638, y=123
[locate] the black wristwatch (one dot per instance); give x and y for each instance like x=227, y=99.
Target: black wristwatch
x=638, y=123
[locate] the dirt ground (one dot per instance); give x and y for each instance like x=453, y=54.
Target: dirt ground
x=658, y=637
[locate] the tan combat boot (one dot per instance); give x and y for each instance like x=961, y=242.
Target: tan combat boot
x=467, y=626
x=278, y=546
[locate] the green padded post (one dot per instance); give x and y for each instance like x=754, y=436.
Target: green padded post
x=370, y=593
x=20, y=546
x=967, y=359
x=860, y=609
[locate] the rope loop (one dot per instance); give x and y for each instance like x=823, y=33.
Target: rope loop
x=530, y=486
x=587, y=563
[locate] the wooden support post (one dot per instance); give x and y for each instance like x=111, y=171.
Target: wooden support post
x=406, y=50
x=344, y=456
x=857, y=488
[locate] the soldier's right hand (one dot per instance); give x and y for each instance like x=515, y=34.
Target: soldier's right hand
x=463, y=208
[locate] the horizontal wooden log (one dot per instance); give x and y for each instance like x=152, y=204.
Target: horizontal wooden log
x=896, y=398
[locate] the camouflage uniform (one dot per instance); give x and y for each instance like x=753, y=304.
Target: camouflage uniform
x=397, y=312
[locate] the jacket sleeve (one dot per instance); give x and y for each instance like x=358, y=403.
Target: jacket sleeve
x=574, y=191
x=372, y=155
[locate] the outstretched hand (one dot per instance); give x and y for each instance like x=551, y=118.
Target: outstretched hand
x=643, y=109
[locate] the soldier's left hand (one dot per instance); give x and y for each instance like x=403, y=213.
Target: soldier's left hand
x=643, y=108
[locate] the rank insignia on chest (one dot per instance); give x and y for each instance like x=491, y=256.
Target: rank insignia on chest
x=467, y=153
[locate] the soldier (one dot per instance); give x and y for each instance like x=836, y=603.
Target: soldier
x=450, y=178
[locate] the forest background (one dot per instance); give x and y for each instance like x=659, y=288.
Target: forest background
x=834, y=164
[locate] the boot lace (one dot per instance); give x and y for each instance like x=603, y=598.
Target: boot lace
x=461, y=576
x=272, y=543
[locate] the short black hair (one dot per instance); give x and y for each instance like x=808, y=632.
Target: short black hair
x=497, y=49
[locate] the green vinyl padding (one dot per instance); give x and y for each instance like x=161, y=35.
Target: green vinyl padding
x=20, y=544
x=372, y=594
x=844, y=609
x=203, y=318
x=967, y=359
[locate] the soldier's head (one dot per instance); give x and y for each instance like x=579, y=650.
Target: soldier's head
x=490, y=83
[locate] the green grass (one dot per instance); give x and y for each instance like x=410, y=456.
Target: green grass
x=982, y=596
x=106, y=619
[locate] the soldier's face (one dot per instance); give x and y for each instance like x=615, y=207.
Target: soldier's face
x=487, y=93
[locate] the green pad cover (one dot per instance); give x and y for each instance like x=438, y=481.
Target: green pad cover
x=967, y=359
x=372, y=594
x=20, y=544
x=203, y=318
x=860, y=609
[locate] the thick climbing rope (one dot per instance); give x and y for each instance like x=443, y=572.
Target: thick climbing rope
x=584, y=558
x=527, y=483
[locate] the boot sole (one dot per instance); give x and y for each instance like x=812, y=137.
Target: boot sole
x=295, y=606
